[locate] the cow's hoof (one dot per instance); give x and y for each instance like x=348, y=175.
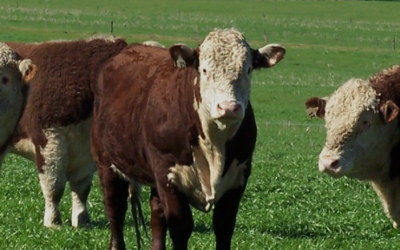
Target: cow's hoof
x=82, y=220
x=53, y=222
x=395, y=225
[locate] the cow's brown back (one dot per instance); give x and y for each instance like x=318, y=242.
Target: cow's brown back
x=61, y=91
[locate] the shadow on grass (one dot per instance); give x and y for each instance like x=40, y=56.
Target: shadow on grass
x=293, y=233
x=201, y=228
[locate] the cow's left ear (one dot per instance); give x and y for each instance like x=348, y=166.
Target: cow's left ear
x=268, y=56
x=183, y=56
x=27, y=69
x=389, y=110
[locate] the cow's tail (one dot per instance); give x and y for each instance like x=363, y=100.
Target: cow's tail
x=137, y=212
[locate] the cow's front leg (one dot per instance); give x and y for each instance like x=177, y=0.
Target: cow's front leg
x=224, y=217
x=177, y=214
x=158, y=222
x=116, y=195
x=80, y=189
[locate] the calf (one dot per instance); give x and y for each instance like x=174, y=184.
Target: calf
x=52, y=127
x=188, y=133
x=363, y=134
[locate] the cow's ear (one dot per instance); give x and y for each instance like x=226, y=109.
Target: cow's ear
x=268, y=56
x=183, y=56
x=315, y=107
x=390, y=111
x=27, y=69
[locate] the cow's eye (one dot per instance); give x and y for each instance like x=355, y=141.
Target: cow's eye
x=249, y=70
x=204, y=71
x=365, y=125
x=4, y=80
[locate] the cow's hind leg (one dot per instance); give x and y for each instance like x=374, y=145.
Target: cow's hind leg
x=52, y=162
x=224, y=217
x=177, y=215
x=115, y=200
x=80, y=191
x=53, y=189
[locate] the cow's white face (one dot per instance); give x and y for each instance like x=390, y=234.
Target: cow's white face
x=225, y=65
x=225, y=75
x=13, y=74
x=359, y=140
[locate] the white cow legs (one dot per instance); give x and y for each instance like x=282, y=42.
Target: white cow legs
x=53, y=190
x=52, y=175
x=80, y=192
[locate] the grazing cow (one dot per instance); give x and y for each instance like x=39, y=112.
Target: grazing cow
x=363, y=134
x=188, y=133
x=54, y=127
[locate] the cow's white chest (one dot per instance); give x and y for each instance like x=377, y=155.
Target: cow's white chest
x=194, y=181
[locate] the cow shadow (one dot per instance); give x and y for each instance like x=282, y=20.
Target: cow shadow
x=201, y=228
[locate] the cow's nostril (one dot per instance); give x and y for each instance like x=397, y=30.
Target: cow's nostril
x=335, y=164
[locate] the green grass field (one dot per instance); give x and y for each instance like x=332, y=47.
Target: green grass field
x=288, y=204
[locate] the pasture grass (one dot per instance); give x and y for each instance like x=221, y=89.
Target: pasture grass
x=288, y=204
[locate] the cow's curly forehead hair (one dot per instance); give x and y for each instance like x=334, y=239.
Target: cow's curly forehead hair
x=225, y=50
x=344, y=108
x=7, y=55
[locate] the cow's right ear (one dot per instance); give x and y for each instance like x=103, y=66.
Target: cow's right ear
x=315, y=107
x=389, y=111
x=27, y=69
x=183, y=56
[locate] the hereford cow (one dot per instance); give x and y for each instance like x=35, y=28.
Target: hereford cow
x=363, y=133
x=188, y=133
x=52, y=124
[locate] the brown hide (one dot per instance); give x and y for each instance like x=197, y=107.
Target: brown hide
x=387, y=84
x=60, y=93
x=147, y=104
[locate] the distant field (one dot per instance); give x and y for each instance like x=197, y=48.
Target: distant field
x=288, y=204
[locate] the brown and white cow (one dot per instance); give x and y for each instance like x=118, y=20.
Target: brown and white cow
x=51, y=125
x=188, y=133
x=363, y=134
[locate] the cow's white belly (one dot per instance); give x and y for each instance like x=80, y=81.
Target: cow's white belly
x=70, y=145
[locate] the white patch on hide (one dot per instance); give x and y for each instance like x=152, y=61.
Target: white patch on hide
x=119, y=173
x=234, y=178
x=67, y=158
x=24, y=148
x=193, y=181
x=153, y=44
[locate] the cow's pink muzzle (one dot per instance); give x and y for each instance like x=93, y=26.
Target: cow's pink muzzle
x=328, y=164
x=230, y=110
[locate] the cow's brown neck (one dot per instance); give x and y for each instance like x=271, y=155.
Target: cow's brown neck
x=387, y=84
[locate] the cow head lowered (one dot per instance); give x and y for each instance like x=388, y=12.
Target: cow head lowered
x=13, y=74
x=362, y=141
x=225, y=63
